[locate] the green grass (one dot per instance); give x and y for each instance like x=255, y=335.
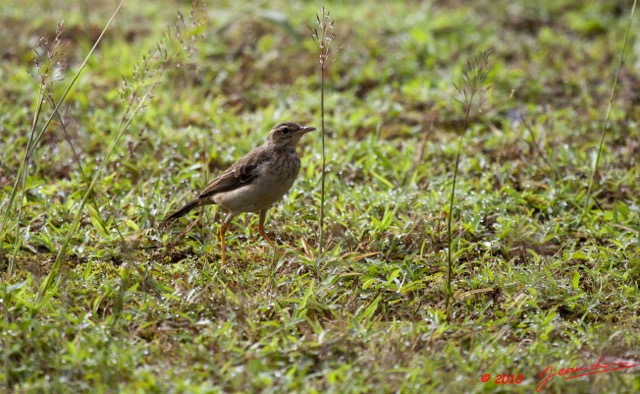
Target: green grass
x=131, y=309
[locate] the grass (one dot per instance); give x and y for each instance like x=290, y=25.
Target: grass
x=532, y=284
x=473, y=86
x=325, y=58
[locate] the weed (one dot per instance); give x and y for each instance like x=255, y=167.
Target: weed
x=323, y=39
x=605, y=122
x=472, y=89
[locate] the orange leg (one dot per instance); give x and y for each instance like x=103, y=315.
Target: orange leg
x=263, y=215
x=223, y=245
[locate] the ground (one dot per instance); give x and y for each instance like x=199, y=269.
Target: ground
x=545, y=270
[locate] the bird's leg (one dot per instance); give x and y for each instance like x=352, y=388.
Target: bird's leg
x=263, y=215
x=223, y=245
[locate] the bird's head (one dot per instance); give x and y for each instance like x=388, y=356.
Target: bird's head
x=287, y=134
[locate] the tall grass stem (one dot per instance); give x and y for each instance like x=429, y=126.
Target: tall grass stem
x=471, y=88
x=605, y=123
x=56, y=265
x=323, y=39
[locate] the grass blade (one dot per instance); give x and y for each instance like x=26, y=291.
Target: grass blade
x=605, y=123
x=323, y=39
x=471, y=89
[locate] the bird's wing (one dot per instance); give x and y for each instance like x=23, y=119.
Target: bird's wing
x=241, y=173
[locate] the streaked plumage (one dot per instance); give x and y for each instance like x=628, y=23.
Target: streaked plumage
x=256, y=181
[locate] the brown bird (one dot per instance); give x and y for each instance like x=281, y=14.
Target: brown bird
x=255, y=182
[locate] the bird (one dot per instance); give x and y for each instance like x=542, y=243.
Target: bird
x=253, y=183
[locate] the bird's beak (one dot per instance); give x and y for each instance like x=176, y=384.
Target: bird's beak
x=306, y=129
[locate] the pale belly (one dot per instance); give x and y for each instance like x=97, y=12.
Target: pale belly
x=256, y=196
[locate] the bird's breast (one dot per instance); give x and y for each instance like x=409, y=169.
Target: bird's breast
x=275, y=177
x=279, y=174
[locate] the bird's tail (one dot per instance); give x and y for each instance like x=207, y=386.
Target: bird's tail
x=182, y=211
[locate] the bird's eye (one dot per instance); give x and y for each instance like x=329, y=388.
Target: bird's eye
x=285, y=130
